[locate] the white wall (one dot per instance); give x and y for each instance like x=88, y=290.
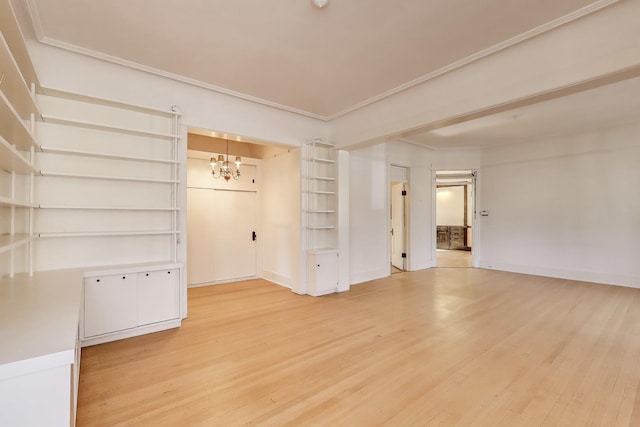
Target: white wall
x=369, y=190
x=280, y=240
x=369, y=217
x=564, y=207
x=450, y=205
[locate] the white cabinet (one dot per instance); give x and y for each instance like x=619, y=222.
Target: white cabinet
x=129, y=301
x=39, y=354
x=158, y=296
x=322, y=272
x=110, y=304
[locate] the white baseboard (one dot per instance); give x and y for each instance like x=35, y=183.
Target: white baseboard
x=133, y=332
x=579, y=275
x=221, y=282
x=367, y=276
x=278, y=279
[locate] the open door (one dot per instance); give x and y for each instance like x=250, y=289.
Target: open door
x=398, y=226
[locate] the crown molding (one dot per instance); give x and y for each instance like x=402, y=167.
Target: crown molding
x=432, y=148
x=37, y=25
x=600, y=4
x=176, y=77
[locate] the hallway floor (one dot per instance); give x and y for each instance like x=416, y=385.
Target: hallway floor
x=453, y=258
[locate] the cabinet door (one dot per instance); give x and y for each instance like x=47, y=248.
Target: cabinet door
x=158, y=296
x=322, y=273
x=443, y=237
x=110, y=304
x=457, y=238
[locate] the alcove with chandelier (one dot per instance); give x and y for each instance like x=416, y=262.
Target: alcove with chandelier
x=246, y=226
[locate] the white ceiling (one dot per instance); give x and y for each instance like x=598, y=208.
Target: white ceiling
x=289, y=53
x=587, y=111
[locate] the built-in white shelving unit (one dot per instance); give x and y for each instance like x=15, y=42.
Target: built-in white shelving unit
x=126, y=157
x=39, y=361
x=320, y=219
x=18, y=114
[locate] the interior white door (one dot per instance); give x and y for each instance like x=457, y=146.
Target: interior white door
x=234, y=248
x=397, y=225
x=220, y=229
x=200, y=235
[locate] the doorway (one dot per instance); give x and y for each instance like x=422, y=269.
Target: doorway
x=398, y=219
x=223, y=216
x=455, y=214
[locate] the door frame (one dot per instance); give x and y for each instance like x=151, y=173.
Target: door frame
x=404, y=224
x=407, y=216
x=475, y=229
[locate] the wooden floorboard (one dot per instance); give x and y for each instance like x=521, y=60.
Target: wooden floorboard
x=439, y=347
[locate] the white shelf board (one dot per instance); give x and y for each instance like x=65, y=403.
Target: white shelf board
x=110, y=178
x=8, y=202
x=14, y=86
x=322, y=251
x=322, y=192
x=108, y=233
x=319, y=160
x=13, y=128
x=16, y=40
x=12, y=160
x=8, y=242
x=109, y=128
x=109, y=208
x=322, y=211
x=322, y=178
x=73, y=96
x=70, y=152
x=322, y=144
x=321, y=227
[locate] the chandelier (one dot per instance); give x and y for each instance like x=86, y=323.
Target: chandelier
x=225, y=168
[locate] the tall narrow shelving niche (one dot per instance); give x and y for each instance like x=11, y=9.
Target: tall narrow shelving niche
x=320, y=219
x=109, y=182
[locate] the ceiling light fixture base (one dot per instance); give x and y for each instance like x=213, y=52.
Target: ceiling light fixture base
x=319, y=3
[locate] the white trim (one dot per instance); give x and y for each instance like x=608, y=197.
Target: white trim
x=481, y=54
x=367, y=276
x=223, y=281
x=577, y=14
x=429, y=147
x=193, y=82
x=133, y=332
x=569, y=274
x=277, y=279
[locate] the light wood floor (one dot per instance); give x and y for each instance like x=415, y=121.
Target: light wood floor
x=440, y=347
x=453, y=258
